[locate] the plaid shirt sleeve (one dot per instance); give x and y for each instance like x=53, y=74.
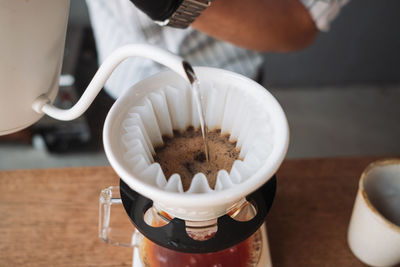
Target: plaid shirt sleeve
x=324, y=11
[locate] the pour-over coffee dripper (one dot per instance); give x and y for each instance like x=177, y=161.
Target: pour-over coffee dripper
x=142, y=187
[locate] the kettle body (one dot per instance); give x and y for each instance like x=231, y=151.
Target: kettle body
x=31, y=54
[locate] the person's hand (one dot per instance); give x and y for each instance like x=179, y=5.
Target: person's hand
x=157, y=10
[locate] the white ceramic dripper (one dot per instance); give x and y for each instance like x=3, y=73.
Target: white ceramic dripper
x=234, y=103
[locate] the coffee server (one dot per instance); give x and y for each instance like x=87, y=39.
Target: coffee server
x=238, y=238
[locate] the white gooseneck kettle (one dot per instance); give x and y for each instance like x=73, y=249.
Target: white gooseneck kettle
x=31, y=52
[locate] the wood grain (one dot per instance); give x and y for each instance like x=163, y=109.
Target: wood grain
x=49, y=217
x=308, y=222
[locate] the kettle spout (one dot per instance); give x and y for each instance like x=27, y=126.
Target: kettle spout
x=174, y=62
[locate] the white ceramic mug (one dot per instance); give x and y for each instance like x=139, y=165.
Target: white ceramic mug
x=374, y=231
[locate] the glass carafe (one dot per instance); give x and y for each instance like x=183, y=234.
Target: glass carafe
x=253, y=252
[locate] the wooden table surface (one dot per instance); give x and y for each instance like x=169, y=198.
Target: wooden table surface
x=50, y=217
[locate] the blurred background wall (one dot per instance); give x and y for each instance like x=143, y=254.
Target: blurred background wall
x=362, y=47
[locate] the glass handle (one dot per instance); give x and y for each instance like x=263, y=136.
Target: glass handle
x=114, y=225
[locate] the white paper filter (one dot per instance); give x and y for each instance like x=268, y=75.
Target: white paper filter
x=168, y=108
x=162, y=103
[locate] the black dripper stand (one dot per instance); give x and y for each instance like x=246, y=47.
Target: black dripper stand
x=173, y=235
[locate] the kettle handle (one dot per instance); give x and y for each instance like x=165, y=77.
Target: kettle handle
x=42, y=103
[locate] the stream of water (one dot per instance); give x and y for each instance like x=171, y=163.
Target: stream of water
x=195, y=84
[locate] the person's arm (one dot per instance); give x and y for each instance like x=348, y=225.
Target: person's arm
x=263, y=25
